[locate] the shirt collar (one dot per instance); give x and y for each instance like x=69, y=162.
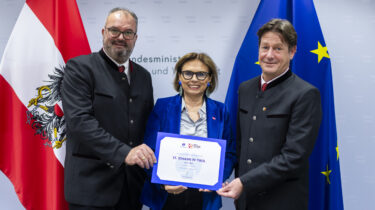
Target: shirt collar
x=262, y=80
x=201, y=110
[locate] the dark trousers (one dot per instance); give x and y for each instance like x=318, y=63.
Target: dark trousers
x=79, y=207
x=190, y=199
x=130, y=194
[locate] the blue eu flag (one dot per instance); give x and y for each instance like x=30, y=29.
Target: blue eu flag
x=312, y=63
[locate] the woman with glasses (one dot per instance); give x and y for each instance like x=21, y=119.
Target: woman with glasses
x=191, y=112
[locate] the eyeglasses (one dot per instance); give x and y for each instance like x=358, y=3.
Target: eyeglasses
x=128, y=34
x=201, y=75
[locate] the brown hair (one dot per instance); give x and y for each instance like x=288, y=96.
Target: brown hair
x=283, y=27
x=206, y=60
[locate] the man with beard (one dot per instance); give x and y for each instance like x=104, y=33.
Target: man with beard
x=107, y=99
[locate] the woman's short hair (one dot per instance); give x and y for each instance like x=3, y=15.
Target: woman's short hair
x=206, y=60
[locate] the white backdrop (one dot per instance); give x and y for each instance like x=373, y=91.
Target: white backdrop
x=169, y=29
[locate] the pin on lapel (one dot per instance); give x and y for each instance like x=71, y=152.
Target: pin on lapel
x=214, y=118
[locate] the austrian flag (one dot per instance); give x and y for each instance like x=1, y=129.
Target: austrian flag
x=32, y=126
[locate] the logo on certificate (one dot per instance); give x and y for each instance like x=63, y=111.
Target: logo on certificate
x=190, y=146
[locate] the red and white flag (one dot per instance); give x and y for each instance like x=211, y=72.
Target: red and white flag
x=32, y=127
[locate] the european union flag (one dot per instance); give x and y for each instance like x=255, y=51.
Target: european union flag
x=312, y=63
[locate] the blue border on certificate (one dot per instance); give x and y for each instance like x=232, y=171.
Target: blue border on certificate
x=156, y=179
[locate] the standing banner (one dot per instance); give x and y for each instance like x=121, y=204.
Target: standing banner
x=32, y=126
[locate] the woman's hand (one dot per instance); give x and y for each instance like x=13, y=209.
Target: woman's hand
x=175, y=189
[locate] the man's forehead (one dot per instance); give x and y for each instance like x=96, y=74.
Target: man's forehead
x=119, y=15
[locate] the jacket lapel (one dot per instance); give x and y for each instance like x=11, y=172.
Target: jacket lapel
x=173, y=117
x=134, y=81
x=212, y=119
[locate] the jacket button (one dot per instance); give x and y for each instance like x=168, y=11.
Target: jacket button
x=254, y=117
x=111, y=166
x=130, y=100
x=251, y=139
x=249, y=161
x=131, y=121
x=108, y=164
x=130, y=143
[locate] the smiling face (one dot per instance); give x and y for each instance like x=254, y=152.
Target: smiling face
x=119, y=48
x=194, y=87
x=274, y=55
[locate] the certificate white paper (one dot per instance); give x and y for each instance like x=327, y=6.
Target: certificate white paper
x=189, y=161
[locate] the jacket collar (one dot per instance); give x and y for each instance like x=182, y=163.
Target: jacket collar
x=278, y=80
x=212, y=111
x=113, y=64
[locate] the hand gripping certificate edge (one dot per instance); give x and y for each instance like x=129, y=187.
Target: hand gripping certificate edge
x=216, y=186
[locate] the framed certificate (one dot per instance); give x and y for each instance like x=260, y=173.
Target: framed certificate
x=190, y=161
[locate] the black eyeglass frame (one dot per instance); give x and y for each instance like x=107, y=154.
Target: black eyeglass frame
x=128, y=34
x=199, y=77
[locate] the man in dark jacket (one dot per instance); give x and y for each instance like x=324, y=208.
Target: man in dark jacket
x=107, y=99
x=278, y=122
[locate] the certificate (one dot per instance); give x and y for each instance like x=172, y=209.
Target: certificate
x=190, y=161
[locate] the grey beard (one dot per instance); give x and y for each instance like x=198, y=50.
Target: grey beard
x=123, y=56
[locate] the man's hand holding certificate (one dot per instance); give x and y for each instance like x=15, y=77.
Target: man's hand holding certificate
x=189, y=161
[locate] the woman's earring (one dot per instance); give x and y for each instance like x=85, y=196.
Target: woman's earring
x=180, y=91
x=207, y=92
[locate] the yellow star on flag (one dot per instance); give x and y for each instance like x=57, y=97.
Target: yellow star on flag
x=321, y=52
x=326, y=173
x=257, y=62
x=337, y=150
